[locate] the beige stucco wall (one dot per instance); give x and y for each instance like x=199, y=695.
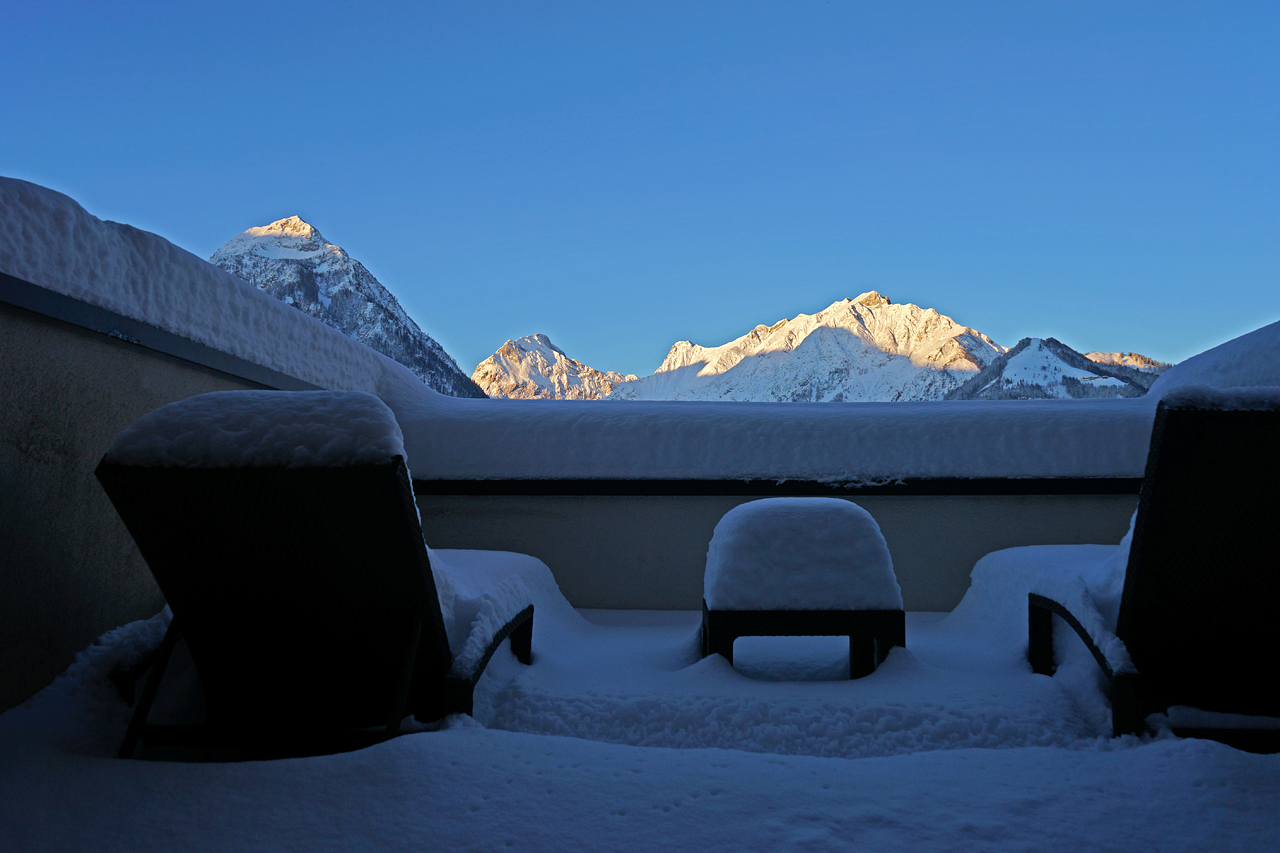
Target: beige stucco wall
x=68, y=569
x=650, y=552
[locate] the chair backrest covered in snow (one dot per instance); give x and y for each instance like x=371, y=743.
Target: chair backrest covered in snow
x=282, y=529
x=1203, y=581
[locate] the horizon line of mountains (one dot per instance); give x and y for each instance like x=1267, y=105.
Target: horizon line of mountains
x=863, y=349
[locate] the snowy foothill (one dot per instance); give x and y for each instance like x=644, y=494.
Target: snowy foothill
x=799, y=554
x=1033, y=366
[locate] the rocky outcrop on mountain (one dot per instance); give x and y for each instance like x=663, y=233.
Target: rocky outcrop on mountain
x=532, y=368
x=290, y=260
x=1045, y=368
x=867, y=348
x=1135, y=360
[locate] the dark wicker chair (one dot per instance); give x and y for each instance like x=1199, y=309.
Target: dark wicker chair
x=306, y=599
x=1203, y=579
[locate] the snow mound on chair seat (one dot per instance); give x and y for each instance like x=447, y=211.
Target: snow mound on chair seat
x=263, y=429
x=799, y=554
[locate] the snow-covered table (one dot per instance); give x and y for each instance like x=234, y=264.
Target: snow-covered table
x=802, y=567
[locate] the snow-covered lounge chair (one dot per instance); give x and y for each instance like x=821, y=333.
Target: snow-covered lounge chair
x=802, y=567
x=1196, y=626
x=282, y=529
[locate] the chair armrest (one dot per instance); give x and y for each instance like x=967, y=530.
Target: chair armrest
x=461, y=687
x=1040, y=611
x=1128, y=706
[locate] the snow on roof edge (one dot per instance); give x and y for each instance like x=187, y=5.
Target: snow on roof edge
x=50, y=240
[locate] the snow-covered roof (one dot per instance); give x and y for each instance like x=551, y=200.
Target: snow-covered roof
x=48, y=239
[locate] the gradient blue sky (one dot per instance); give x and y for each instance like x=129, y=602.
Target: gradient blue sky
x=623, y=176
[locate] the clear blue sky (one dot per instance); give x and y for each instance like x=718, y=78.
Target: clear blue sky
x=623, y=176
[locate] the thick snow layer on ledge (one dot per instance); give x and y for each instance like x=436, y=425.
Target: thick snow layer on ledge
x=799, y=554
x=49, y=240
x=853, y=443
x=263, y=429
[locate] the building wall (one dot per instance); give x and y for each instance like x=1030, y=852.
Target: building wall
x=649, y=552
x=68, y=568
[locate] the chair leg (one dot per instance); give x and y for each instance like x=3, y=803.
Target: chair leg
x=401, y=695
x=139, y=721
x=864, y=656
x=1040, y=638
x=522, y=641
x=716, y=640
x=1128, y=705
x=719, y=644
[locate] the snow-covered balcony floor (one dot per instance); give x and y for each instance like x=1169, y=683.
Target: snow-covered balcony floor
x=620, y=737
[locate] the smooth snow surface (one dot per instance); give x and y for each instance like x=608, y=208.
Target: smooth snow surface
x=263, y=429
x=799, y=554
x=855, y=443
x=619, y=738
x=1251, y=359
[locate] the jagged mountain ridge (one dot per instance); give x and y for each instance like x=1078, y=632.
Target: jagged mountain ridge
x=293, y=262
x=1137, y=361
x=534, y=368
x=867, y=348
x=1045, y=368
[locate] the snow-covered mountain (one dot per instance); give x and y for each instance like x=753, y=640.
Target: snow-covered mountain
x=534, y=368
x=866, y=348
x=1044, y=368
x=1129, y=359
x=290, y=260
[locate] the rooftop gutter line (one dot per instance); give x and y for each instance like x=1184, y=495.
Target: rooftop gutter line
x=931, y=486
